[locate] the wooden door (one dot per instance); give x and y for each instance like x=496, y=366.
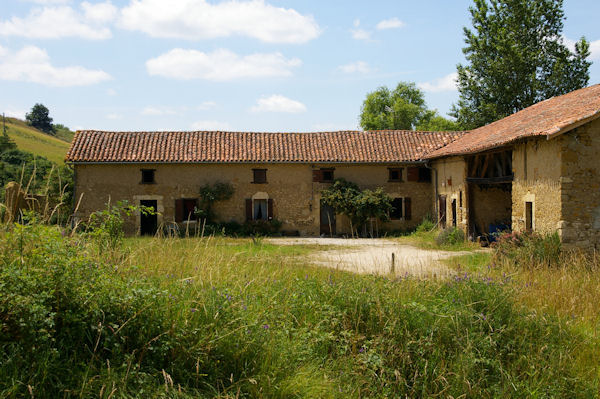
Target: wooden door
x=442, y=211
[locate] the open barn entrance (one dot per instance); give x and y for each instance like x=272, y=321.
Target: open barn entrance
x=489, y=183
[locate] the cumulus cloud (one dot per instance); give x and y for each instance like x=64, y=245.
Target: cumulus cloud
x=594, y=48
x=278, y=103
x=447, y=83
x=14, y=113
x=62, y=21
x=44, y=2
x=32, y=64
x=358, y=33
x=199, y=19
x=210, y=125
x=355, y=67
x=114, y=117
x=220, y=65
x=392, y=23
x=206, y=105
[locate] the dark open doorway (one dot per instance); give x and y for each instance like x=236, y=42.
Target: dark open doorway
x=442, y=211
x=149, y=223
x=327, y=220
x=454, y=215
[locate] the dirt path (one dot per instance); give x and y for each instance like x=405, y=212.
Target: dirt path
x=375, y=256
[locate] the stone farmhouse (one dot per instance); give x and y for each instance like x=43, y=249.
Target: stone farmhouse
x=535, y=170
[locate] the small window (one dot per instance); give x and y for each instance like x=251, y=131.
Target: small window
x=425, y=175
x=327, y=175
x=260, y=176
x=260, y=210
x=395, y=174
x=148, y=176
x=529, y=216
x=397, y=211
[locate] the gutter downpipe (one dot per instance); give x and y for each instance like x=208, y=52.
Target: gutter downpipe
x=435, y=190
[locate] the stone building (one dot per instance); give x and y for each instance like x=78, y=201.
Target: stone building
x=274, y=175
x=537, y=170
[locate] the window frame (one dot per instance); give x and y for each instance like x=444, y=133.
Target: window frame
x=144, y=172
x=327, y=170
x=255, y=173
x=400, y=175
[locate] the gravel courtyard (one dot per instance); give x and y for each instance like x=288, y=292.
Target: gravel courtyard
x=374, y=256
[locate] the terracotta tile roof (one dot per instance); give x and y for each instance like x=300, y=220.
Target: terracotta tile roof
x=547, y=118
x=236, y=147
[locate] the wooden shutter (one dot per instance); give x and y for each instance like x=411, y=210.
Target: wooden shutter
x=179, y=210
x=412, y=174
x=317, y=176
x=270, y=208
x=407, y=209
x=248, y=209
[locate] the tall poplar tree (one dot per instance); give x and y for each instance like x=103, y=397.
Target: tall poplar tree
x=516, y=57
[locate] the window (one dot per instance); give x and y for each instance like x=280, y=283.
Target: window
x=395, y=174
x=529, y=216
x=148, y=176
x=184, y=209
x=398, y=210
x=323, y=175
x=260, y=176
x=327, y=175
x=260, y=210
x=424, y=175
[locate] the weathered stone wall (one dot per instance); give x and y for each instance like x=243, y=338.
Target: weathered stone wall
x=537, y=170
x=296, y=198
x=451, y=174
x=580, y=170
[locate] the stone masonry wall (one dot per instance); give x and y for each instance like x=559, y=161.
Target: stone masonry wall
x=296, y=198
x=580, y=168
x=536, y=166
x=451, y=182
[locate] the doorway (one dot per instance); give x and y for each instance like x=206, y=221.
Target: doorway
x=442, y=211
x=528, y=216
x=327, y=220
x=454, y=213
x=149, y=223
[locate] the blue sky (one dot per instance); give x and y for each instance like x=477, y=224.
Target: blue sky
x=272, y=65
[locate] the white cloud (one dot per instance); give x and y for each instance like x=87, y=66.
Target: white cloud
x=361, y=34
x=220, y=65
x=44, y=2
x=162, y=111
x=594, y=48
x=62, y=21
x=206, y=105
x=114, y=117
x=355, y=67
x=14, y=113
x=111, y=92
x=199, y=19
x=392, y=23
x=278, y=103
x=447, y=83
x=32, y=64
x=210, y=125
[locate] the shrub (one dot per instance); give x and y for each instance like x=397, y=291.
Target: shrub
x=261, y=227
x=425, y=225
x=450, y=236
x=529, y=249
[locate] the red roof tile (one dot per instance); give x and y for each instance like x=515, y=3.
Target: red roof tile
x=546, y=118
x=237, y=147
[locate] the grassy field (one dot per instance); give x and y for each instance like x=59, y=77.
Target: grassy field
x=232, y=318
x=38, y=143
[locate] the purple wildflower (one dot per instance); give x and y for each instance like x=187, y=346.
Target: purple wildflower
x=265, y=326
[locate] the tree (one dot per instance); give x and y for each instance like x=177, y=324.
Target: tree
x=347, y=199
x=516, y=57
x=404, y=108
x=40, y=119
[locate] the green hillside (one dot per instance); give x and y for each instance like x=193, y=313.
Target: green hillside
x=32, y=140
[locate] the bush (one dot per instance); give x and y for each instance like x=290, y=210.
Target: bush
x=426, y=225
x=529, y=249
x=450, y=236
x=261, y=227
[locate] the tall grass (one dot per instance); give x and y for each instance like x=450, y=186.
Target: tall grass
x=217, y=317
